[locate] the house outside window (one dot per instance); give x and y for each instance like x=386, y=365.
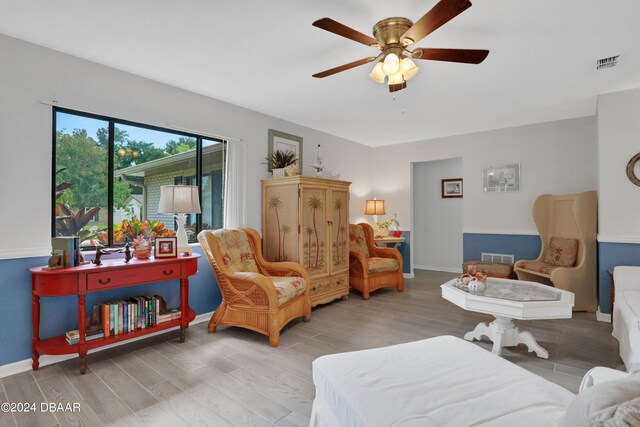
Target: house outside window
x=125, y=185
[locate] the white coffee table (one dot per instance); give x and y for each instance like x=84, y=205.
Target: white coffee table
x=507, y=300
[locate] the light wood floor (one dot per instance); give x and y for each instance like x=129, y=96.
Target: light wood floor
x=233, y=377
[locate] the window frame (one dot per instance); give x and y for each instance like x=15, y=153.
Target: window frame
x=112, y=122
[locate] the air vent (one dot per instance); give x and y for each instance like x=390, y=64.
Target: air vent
x=487, y=257
x=609, y=62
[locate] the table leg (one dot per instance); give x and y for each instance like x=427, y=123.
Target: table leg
x=184, y=307
x=481, y=330
x=35, y=321
x=82, y=330
x=527, y=339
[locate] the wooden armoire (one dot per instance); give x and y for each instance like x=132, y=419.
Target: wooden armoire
x=305, y=219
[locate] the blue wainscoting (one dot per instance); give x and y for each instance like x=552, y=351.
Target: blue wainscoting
x=609, y=256
x=59, y=314
x=519, y=245
x=405, y=251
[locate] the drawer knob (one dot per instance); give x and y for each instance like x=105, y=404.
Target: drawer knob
x=167, y=273
x=105, y=282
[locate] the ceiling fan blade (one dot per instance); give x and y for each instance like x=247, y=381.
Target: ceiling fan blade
x=439, y=15
x=344, y=67
x=468, y=56
x=335, y=27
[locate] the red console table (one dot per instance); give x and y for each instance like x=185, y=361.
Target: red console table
x=110, y=275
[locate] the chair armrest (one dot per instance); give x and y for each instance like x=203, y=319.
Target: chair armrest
x=386, y=253
x=599, y=375
x=286, y=269
x=359, y=258
x=257, y=279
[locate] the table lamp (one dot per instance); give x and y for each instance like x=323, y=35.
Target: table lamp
x=374, y=207
x=180, y=200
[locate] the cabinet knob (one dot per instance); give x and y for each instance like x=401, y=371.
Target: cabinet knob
x=105, y=282
x=167, y=273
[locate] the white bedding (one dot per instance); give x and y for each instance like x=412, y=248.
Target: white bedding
x=443, y=381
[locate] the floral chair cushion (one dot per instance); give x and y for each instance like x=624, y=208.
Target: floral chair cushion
x=562, y=252
x=288, y=287
x=236, y=251
x=380, y=265
x=537, y=266
x=357, y=240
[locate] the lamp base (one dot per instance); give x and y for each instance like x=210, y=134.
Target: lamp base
x=183, y=242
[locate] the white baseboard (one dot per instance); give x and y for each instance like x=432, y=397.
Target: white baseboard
x=438, y=268
x=602, y=317
x=45, y=359
x=408, y=275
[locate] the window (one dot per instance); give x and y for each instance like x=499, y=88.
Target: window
x=118, y=167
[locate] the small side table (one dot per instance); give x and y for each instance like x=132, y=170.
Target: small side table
x=613, y=291
x=390, y=242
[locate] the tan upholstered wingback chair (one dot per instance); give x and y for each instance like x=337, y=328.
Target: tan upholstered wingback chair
x=568, y=257
x=371, y=267
x=256, y=294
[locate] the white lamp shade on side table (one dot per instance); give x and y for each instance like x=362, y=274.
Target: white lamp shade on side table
x=180, y=200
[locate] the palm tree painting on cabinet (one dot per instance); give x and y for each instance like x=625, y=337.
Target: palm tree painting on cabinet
x=339, y=245
x=315, y=261
x=275, y=203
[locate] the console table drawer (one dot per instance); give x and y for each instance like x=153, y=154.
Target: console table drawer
x=116, y=278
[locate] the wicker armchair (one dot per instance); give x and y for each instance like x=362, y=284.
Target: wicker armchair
x=256, y=294
x=371, y=267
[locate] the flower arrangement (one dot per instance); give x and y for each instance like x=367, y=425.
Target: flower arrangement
x=126, y=231
x=385, y=224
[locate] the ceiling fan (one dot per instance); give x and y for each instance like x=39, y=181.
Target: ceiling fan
x=393, y=36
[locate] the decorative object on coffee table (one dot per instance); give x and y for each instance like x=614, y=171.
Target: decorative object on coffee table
x=180, y=200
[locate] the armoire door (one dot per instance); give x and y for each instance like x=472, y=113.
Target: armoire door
x=314, y=229
x=280, y=233
x=339, y=229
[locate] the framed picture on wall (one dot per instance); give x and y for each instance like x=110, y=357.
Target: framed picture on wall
x=285, y=142
x=452, y=188
x=501, y=178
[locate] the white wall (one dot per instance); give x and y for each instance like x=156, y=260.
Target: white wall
x=556, y=157
x=437, y=222
x=619, y=141
x=30, y=74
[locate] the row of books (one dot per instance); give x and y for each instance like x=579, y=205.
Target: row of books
x=123, y=316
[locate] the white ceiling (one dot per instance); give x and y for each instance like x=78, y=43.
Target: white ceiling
x=261, y=54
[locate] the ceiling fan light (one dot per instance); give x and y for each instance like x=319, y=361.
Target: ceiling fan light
x=408, y=68
x=391, y=64
x=376, y=74
x=396, y=79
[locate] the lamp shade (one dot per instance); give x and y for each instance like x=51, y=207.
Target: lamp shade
x=179, y=199
x=374, y=207
x=408, y=68
x=377, y=75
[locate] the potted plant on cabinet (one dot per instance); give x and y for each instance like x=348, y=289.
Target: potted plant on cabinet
x=279, y=160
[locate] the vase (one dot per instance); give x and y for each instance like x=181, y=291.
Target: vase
x=277, y=172
x=142, y=251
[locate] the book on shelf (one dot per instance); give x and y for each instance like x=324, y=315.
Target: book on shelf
x=93, y=332
x=70, y=247
x=123, y=316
